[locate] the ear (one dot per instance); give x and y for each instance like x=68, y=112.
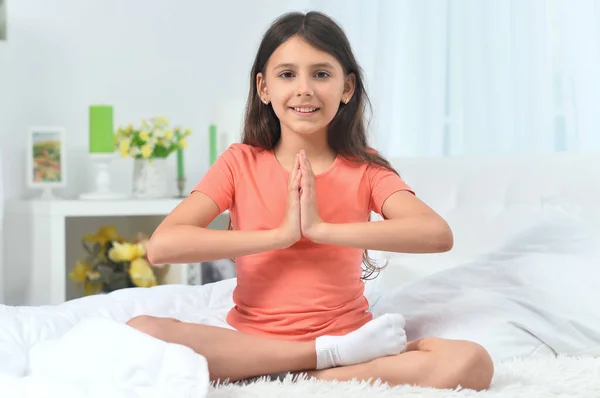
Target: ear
x=261, y=88
x=349, y=87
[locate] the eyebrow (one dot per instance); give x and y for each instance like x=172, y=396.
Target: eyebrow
x=291, y=66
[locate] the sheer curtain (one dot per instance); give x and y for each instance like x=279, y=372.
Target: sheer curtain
x=478, y=76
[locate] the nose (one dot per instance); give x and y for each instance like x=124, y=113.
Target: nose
x=304, y=86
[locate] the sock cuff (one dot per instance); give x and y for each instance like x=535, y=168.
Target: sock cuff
x=325, y=358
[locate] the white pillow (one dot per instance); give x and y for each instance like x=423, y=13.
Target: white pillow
x=539, y=288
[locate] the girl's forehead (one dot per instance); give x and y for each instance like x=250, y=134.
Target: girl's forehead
x=297, y=52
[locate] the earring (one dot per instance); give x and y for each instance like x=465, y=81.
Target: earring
x=265, y=101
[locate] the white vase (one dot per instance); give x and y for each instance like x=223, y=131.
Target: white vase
x=150, y=178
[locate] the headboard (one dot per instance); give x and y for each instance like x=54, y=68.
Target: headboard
x=486, y=199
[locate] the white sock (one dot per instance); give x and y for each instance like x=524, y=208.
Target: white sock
x=380, y=337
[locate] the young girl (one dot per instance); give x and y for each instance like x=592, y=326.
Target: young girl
x=300, y=188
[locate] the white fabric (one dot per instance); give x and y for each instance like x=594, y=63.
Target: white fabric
x=486, y=200
x=477, y=77
x=538, y=288
x=80, y=345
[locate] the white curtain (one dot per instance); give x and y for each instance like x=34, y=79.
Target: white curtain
x=478, y=76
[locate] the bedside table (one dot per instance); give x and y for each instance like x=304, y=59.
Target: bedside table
x=42, y=242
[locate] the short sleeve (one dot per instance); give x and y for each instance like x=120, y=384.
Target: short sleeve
x=384, y=183
x=219, y=181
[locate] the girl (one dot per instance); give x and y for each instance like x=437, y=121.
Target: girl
x=300, y=188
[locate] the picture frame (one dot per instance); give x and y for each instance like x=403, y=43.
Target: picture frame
x=46, y=161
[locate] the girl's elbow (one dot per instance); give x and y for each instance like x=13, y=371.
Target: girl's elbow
x=444, y=238
x=154, y=254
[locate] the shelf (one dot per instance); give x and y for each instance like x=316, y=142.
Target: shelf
x=95, y=208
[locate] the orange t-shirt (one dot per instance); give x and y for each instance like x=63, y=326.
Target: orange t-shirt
x=308, y=289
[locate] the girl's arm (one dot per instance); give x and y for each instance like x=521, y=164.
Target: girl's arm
x=410, y=227
x=183, y=237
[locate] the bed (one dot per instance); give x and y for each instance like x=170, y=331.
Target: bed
x=521, y=280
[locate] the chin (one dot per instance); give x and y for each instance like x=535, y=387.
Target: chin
x=306, y=130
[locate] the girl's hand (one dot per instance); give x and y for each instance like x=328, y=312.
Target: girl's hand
x=310, y=221
x=289, y=230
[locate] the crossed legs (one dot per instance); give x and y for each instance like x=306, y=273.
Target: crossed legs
x=233, y=356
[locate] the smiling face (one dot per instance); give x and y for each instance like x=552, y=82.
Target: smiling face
x=305, y=86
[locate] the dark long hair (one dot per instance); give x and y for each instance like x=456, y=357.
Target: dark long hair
x=346, y=134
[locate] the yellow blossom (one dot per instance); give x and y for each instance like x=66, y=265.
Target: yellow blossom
x=183, y=143
x=124, y=147
x=144, y=135
x=121, y=252
x=168, y=134
x=103, y=235
x=94, y=275
x=187, y=132
x=92, y=287
x=141, y=274
x=147, y=151
x=80, y=271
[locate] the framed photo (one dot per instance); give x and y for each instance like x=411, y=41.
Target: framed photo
x=46, y=164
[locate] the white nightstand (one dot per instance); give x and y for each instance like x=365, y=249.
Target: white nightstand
x=42, y=241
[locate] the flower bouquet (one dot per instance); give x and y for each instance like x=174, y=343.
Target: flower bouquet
x=154, y=138
x=114, y=263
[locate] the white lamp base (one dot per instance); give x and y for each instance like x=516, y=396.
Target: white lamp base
x=102, y=179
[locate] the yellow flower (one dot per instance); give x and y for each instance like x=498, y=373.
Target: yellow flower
x=124, y=148
x=80, y=271
x=103, y=235
x=168, y=134
x=93, y=275
x=183, y=143
x=121, y=252
x=144, y=135
x=92, y=287
x=141, y=274
x=147, y=151
x=187, y=132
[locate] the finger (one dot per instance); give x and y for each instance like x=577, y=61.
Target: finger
x=294, y=171
x=296, y=182
x=307, y=167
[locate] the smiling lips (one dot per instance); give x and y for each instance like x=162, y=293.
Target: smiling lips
x=305, y=110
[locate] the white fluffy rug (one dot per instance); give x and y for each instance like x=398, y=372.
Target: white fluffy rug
x=543, y=377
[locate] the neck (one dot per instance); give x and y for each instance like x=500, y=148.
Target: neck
x=315, y=145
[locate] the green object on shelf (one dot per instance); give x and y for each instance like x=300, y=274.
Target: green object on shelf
x=101, y=129
x=180, y=173
x=212, y=132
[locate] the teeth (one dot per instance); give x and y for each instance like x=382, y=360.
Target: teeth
x=305, y=110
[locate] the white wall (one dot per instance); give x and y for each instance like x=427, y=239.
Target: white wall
x=174, y=58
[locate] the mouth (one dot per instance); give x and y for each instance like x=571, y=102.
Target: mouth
x=304, y=110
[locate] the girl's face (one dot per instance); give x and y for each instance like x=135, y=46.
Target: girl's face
x=305, y=86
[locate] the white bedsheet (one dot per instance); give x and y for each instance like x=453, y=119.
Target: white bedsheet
x=84, y=348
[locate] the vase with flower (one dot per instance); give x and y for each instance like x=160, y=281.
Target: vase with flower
x=149, y=145
x=113, y=262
